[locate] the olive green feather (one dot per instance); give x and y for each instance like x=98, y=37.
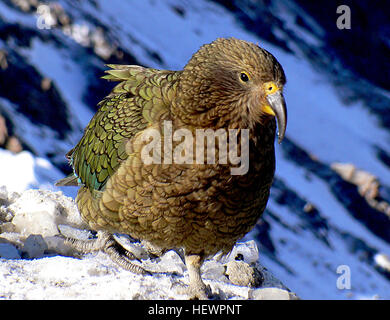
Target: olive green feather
x=122, y=114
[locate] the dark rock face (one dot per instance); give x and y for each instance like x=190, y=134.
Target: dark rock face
x=21, y=84
x=37, y=97
x=355, y=62
x=257, y=17
x=367, y=40
x=345, y=192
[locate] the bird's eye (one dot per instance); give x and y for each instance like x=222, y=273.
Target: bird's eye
x=244, y=77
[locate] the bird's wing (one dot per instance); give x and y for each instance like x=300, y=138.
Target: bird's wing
x=131, y=106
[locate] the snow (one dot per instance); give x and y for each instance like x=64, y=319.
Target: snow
x=319, y=122
x=52, y=269
x=25, y=162
x=55, y=63
x=40, y=139
x=18, y=171
x=14, y=16
x=23, y=171
x=288, y=12
x=90, y=278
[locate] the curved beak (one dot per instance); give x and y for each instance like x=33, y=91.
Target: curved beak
x=278, y=106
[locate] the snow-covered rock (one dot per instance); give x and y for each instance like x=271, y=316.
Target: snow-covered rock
x=36, y=264
x=318, y=217
x=41, y=211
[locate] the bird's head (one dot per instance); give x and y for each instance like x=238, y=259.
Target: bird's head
x=231, y=81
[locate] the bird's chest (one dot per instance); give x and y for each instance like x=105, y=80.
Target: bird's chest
x=188, y=205
x=218, y=194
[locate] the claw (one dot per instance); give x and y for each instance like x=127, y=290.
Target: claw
x=106, y=242
x=199, y=293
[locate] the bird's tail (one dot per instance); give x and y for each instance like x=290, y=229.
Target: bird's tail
x=70, y=180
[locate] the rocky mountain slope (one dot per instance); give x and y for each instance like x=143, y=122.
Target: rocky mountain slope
x=329, y=204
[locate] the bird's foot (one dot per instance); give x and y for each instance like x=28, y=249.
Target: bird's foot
x=106, y=242
x=196, y=291
x=153, y=251
x=202, y=292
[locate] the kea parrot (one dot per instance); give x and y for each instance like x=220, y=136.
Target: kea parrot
x=196, y=206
